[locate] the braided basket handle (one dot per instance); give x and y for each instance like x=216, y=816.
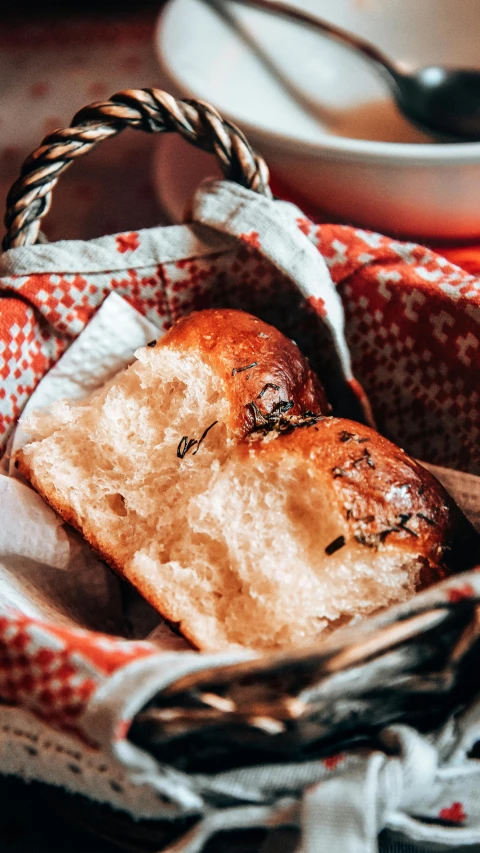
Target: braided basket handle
x=151, y=110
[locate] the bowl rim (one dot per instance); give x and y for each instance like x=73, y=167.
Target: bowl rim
x=329, y=146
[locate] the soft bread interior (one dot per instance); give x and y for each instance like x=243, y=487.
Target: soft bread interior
x=251, y=567
x=110, y=466
x=224, y=541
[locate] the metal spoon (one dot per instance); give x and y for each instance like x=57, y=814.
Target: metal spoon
x=443, y=102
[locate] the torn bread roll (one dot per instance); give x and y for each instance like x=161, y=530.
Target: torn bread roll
x=263, y=541
x=300, y=532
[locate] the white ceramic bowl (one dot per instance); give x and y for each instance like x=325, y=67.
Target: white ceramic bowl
x=417, y=188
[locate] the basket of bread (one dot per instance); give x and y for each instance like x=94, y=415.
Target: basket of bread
x=239, y=516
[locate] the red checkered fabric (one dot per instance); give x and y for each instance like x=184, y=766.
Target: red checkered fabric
x=53, y=671
x=412, y=326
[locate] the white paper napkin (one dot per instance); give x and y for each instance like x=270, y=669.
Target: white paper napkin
x=106, y=345
x=46, y=569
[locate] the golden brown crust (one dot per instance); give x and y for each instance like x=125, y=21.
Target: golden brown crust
x=263, y=371
x=383, y=494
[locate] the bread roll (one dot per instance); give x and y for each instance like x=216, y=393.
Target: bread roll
x=262, y=541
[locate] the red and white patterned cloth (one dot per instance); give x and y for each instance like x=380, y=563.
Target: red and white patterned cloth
x=411, y=318
x=411, y=325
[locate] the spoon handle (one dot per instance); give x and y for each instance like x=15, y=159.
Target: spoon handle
x=277, y=7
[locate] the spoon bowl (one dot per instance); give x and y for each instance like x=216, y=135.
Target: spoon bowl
x=444, y=102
